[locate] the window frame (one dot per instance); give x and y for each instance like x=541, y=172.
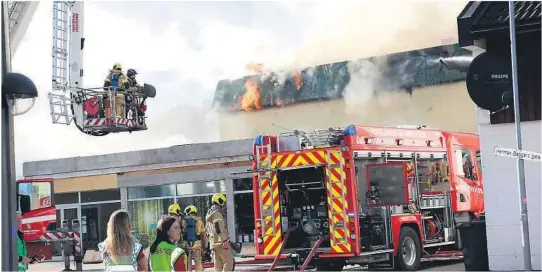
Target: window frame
x=459, y=163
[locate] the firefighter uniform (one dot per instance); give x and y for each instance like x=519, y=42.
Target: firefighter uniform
x=117, y=80
x=195, y=249
x=216, y=228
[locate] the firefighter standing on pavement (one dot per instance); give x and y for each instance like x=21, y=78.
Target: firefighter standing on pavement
x=175, y=211
x=216, y=228
x=195, y=237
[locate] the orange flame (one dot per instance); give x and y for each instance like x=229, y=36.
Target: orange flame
x=252, y=97
x=298, y=79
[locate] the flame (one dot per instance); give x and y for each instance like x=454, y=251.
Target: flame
x=252, y=97
x=298, y=79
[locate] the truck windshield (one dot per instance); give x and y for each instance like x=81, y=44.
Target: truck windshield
x=38, y=194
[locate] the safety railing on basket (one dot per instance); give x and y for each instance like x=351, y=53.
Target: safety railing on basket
x=112, y=106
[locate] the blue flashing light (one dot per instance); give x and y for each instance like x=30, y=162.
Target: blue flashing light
x=350, y=131
x=258, y=140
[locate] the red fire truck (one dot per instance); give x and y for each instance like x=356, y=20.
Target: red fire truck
x=380, y=196
x=39, y=218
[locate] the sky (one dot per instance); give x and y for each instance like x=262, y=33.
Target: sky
x=184, y=48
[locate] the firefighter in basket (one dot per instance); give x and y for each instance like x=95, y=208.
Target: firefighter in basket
x=132, y=102
x=175, y=211
x=195, y=237
x=116, y=81
x=216, y=229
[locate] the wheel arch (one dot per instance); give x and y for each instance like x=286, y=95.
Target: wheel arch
x=399, y=222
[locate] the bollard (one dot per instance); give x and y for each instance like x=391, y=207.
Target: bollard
x=67, y=250
x=78, y=257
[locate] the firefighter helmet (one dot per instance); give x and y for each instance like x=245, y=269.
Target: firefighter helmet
x=174, y=209
x=219, y=199
x=190, y=209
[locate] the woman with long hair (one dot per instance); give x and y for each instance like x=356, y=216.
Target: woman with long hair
x=120, y=251
x=165, y=256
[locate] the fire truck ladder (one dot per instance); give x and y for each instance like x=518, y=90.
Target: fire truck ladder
x=58, y=101
x=322, y=137
x=267, y=211
x=340, y=183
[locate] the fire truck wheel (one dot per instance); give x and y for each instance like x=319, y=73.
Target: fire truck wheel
x=409, y=252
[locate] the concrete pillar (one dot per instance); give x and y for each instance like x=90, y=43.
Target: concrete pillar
x=124, y=198
x=230, y=207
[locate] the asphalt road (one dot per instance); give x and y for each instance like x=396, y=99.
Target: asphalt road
x=436, y=266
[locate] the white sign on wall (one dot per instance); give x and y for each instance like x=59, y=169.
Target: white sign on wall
x=514, y=153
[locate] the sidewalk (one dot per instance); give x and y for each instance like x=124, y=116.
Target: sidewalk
x=59, y=266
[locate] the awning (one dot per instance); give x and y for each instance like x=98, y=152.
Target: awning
x=480, y=19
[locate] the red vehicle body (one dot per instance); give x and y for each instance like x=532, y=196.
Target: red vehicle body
x=364, y=195
x=38, y=215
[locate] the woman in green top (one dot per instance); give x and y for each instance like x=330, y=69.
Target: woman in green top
x=165, y=256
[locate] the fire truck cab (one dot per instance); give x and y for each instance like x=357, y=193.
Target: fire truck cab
x=38, y=213
x=381, y=196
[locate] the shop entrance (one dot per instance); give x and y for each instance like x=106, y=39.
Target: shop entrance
x=94, y=219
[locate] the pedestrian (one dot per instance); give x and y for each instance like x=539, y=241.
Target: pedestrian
x=22, y=251
x=120, y=251
x=216, y=227
x=175, y=211
x=165, y=255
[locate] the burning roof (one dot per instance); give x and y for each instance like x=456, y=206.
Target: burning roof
x=401, y=71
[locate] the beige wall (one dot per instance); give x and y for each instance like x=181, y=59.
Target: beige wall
x=89, y=183
x=446, y=107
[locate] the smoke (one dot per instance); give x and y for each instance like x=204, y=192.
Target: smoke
x=350, y=30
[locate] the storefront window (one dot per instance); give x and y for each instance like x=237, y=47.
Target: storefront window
x=145, y=215
x=101, y=195
x=202, y=203
x=244, y=184
x=66, y=198
x=200, y=188
x=244, y=217
x=151, y=191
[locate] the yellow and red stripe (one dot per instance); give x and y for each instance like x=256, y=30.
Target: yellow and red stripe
x=294, y=159
x=271, y=243
x=338, y=207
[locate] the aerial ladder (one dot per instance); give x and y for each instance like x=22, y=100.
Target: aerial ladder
x=94, y=111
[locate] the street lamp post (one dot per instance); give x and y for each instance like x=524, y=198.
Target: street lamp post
x=520, y=168
x=14, y=86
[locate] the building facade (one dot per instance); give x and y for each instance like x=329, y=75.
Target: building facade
x=146, y=182
x=482, y=28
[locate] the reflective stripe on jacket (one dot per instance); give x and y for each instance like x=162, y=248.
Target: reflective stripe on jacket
x=165, y=257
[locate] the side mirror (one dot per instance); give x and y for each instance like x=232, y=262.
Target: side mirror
x=24, y=203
